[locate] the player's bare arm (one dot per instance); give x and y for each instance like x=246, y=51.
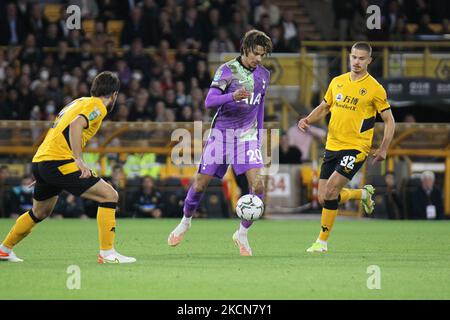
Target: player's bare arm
x=317, y=114
x=75, y=136
x=389, y=129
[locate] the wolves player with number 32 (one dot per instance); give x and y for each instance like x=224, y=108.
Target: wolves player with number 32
x=353, y=99
x=238, y=90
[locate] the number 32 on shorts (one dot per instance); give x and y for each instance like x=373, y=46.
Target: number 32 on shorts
x=348, y=162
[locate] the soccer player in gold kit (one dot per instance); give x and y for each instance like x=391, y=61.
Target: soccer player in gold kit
x=58, y=165
x=353, y=99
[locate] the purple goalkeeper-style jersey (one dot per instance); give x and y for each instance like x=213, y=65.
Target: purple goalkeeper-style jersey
x=242, y=118
x=242, y=114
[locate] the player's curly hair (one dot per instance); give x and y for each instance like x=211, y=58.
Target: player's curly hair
x=105, y=84
x=255, y=38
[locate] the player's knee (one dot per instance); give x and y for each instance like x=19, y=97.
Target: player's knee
x=331, y=192
x=111, y=195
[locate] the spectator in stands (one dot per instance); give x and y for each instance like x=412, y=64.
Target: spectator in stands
x=171, y=99
x=276, y=34
x=288, y=154
x=100, y=37
x=4, y=188
x=445, y=27
x=221, y=42
x=169, y=115
x=165, y=29
x=189, y=29
x=343, y=13
x=69, y=206
x=264, y=24
x=400, y=32
x=267, y=8
x=358, y=28
x=147, y=202
x=137, y=59
x=203, y=76
x=51, y=38
x=427, y=200
x=160, y=111
x=303, y=140
x=118, y=180
x=156, y=91
x=237, y=28
x=30, y=53
x=21, y=197
x=150, y=13
x=186, y=114
x=122, y=112
x=409, y=118
x=133, y=27
x=392, y=16
x=140, y=109
x=290, y=28
x=12, y=29
x=180, y=94
x=392, y=200
x=37, y=23
x=424, y=26
x=211, y=26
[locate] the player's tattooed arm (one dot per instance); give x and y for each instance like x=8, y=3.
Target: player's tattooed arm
x=75, y=138
x=317, y=114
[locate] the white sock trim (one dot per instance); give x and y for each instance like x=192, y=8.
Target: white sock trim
x=321, y=242
x=105, y=253
x=363, y=194
x=186, y=220
x=243, y=230
x=5, y=249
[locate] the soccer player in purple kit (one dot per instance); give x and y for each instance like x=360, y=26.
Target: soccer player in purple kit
x=238, y=90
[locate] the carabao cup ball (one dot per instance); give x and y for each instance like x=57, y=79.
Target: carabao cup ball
x=249, y=207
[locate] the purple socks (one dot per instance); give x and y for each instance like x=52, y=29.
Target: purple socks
x=191, y=202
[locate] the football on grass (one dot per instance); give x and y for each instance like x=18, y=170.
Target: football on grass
x=249, y=207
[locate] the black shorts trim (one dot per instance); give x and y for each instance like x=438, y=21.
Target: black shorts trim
x=50, y=181
x=342, y=161
x=385, y=109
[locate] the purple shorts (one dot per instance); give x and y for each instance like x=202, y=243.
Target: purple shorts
x=219, y=153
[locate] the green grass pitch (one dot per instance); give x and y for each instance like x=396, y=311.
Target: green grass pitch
x=413, y=258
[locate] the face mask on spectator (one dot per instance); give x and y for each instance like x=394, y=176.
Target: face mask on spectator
x=50, y=109
x=26, y=190
x=44, y=75
x=137, y=76
x=67, y=78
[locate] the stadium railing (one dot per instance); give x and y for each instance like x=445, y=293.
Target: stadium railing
x=418, y=59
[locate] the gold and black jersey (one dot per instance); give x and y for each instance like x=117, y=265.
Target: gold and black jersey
x=353, y=106
x=56, y=145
